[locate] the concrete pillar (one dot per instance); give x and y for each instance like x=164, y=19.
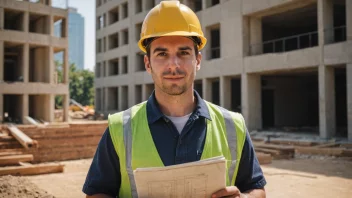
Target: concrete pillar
x=246, y=36
x=349, y=100
x=101, y=99
x=25, y=23
x=144, y=92
x=131, y=95
x=121, y=12
x=1, y=107
x=2, y=17
x=51, y=65
x=225, y=92
x=120, y=100
x=66, y=104
x=102, y=69
x=255, y=31
x=106, y=98
x=25, y=108
x=251, y=100
x=349, y=19
x=120, y=35
x=206, y=88
x=51, y=25
x=49, y=111
x=327, y=114
x=325, y=21
x=107, y=68
x=1, y=60
x=204, y=4
x=25, y=62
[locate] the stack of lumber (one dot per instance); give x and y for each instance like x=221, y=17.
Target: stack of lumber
x=13, y=161
x=276, y=151
x=65, y=142
x=54, y=142
x=331, y=149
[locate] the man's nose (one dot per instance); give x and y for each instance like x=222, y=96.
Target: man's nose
x=174, y=61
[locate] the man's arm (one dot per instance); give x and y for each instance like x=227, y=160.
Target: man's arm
x=104, y=178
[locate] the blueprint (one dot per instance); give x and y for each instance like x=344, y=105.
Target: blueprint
x=189, y=180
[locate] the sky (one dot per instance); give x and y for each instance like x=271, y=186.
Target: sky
x=87, y=9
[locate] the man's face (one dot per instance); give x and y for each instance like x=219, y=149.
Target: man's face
x=173, y=64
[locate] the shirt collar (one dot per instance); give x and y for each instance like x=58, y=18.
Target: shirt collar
x=154, y=113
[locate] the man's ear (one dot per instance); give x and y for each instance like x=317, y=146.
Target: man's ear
x=199, y=60
x=147, y=64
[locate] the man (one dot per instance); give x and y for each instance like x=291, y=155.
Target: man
x=175, y=125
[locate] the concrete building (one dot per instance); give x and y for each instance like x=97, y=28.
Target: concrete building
x=29, y=81
x=282, y=64
x=75, y=38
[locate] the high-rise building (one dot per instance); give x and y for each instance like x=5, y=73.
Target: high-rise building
x=29, y=80
x=285, y=65
x=75, y=38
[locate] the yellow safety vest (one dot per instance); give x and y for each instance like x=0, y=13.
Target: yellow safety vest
x=133, y=142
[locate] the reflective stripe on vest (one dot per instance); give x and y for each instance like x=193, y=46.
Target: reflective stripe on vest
x=231, y=139
x=133, y=142
x=127, y=139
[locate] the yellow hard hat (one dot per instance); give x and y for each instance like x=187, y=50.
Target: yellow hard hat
x=171, y=18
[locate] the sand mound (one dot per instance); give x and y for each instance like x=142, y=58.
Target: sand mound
x=11, y=187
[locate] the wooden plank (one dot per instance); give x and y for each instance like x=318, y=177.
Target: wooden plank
x=10, y=153
x=21, y=137
x=283, y=148
x=271, y=151
x=327, y=145
x=25, y=164
x=32, y=170
x=15, y=159
x=9, y=145
x=319, y=151
x=292, y=142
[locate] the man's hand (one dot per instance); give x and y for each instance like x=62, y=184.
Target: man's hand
x=230, y=191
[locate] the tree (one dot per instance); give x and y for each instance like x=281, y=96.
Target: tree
x=81, y=85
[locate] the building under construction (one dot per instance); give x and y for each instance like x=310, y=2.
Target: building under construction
x=29, y=78
x=285, y=65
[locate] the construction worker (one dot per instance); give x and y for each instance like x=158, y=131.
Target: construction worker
x=175, y=125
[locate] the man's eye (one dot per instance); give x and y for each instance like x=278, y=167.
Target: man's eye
x=162, y=54
x=184, y=53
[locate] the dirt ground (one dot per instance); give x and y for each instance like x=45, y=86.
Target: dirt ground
x=304, y=177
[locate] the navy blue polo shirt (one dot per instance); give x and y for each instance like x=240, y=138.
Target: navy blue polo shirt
x=174, y=148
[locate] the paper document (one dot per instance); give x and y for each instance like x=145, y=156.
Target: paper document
x=189, y=180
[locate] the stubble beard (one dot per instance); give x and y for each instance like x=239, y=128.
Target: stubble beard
x=172, y=89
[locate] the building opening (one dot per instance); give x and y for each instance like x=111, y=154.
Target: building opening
x=290, y=101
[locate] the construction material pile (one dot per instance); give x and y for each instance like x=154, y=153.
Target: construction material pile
x=24, y=149
x=20, y=187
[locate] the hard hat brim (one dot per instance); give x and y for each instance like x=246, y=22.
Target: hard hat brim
x=174, y=33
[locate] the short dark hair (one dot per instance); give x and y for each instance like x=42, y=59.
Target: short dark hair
x=195, y=39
